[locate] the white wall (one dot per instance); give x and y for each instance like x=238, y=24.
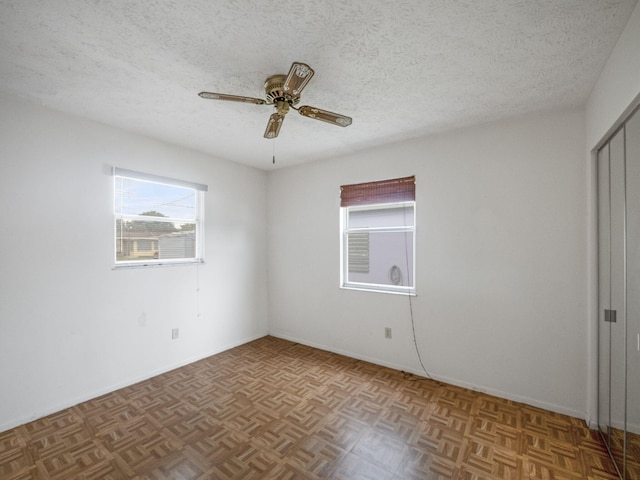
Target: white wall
x=616, y=92
x=618, y=84
x=71, y=327
x=501, y=219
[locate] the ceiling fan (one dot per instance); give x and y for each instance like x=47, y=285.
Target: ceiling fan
x=283, y=92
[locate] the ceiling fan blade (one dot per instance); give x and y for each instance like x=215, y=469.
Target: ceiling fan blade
x=298, y=77
x=231, y=98
x=325, y=116
x=273, y=127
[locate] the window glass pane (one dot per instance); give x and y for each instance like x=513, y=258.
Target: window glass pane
x=390, y=260
x=146, y=244
x=156, y=222
x=381, y=217
x=138, y=197
x=177, y=245
x=136, y=246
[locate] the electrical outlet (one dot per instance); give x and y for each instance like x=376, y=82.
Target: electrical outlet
x=175, y=333
x=387, y=332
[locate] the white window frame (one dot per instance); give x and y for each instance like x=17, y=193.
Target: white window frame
x=199, y=190
x=344, y=257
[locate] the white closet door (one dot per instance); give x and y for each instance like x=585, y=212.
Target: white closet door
x=604, y=299
x=617, y=195
x=632, y=135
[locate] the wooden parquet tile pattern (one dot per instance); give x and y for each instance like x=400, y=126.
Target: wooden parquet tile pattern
x=631, y=469
x=273, y=409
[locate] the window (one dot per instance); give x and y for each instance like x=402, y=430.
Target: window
x=158, y=220
x=378, y=230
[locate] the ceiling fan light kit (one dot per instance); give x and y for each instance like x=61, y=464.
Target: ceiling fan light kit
x=283, y=92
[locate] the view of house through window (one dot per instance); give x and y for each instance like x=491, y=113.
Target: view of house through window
x=378, y=236
x=157, y=219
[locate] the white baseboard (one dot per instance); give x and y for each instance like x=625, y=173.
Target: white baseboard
x=112, y=388
x=633, y=428
x=451, y=381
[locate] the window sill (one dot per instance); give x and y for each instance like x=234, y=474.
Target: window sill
x=177, y=263
x=411, y=293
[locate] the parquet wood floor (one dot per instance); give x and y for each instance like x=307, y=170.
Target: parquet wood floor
x=630, y=470
x=273, y=409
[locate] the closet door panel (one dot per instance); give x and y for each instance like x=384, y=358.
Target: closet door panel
x=617, y=380
x=632, y=135
x=604, y=299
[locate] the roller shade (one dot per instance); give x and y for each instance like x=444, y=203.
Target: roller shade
x=122, y=172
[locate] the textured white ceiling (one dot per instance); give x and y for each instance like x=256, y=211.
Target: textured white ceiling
x=401, y=69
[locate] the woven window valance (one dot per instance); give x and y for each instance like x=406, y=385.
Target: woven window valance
x=383, y=191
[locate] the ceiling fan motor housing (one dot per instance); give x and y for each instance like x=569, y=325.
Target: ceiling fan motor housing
x=274, y=91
